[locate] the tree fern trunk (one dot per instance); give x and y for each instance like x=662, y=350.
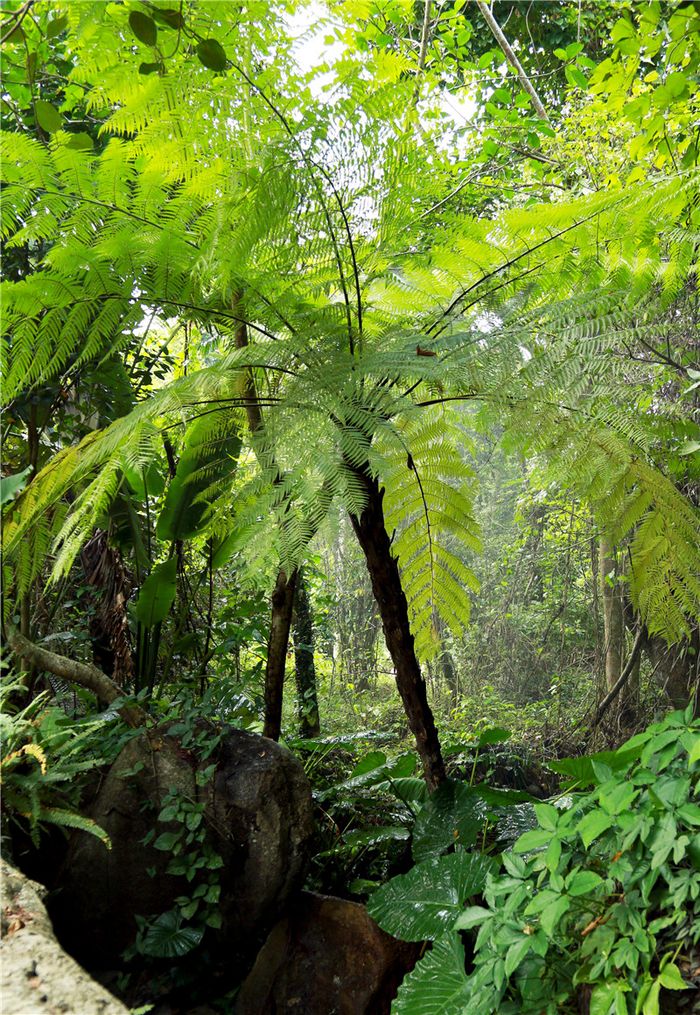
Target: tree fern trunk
x=307, y=700
x=383, y=568
x=283, y=595
x=278, y=642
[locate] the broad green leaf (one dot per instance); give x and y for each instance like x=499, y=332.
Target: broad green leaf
x=694, y=753
x=166, y=840
x=375, y=836
x=212, y=55
x=370, y=762
x=547, y=816
x=157, y=594
x=56, y=26
x=495, y=735
x=10, y=486
x=670, y=978
x=535, y=839
x=471, y=917
x=502, y=797
x=166, y=938
x=80, y=142
x=593, y=825
x=517, y=952
x=438, y=985
x=410, y=789
x=582, y=882
x=551, y=916
x=145, y=483
x=168, y=16
x=425, y=902
x=374, y=770
x=210, y=456
x=606, y=998
x=47, y=116
x=454, y=814
x=144, y=28
x=651, y=1001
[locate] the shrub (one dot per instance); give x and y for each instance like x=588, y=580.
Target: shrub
x=44, y=754
x=602, y=897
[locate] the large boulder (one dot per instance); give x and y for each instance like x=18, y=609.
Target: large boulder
x=259, y=819
x=37, y=975
x=326, y=957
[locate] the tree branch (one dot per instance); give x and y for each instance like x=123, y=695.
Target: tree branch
x=84, y=674
x=622, y=679
x=512, y=59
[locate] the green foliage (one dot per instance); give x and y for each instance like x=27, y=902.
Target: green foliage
x=604, y=892
x=44, y=754
x=157, y=594
x=426, y=902
x=365, y=352
x=165, y=937
x=205, y=469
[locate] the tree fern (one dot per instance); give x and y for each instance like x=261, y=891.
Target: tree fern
x=363, y=320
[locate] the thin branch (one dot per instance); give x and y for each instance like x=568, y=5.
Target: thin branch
x=424, y=41
x=622, y=679
x=18, y=17
x=351, y=244
x=508, y=264
x=512, y=59
x=317, y=187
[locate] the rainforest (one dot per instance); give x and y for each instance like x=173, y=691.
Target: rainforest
x=350, y=488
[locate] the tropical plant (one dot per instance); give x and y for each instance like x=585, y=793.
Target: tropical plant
x=44, y=752
x=364, y=336
x=602, y=896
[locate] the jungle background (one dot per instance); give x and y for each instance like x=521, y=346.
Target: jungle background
x=351, y=387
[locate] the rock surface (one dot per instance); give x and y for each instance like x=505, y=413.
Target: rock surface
x=37, y=975
x=259, y=819
x=327, y=957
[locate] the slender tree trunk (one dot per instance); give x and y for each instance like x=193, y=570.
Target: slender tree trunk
x=307, y=699
x=613, y=614
x=370, y=529
x=512, y=58
x=283, y=596
x=278, y=642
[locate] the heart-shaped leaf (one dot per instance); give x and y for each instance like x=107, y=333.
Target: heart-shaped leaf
x=426, y=902
x=144, y=28
x=80, y=142
x=438, y=985
x=454, y=814
x=47, y=116
x=211, y=54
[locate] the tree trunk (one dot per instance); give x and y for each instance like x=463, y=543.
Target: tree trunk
x=307, y=699
x=84, y=674
x=383, y=568
x=283, y=596
x=278, y=642
x=613, y=614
